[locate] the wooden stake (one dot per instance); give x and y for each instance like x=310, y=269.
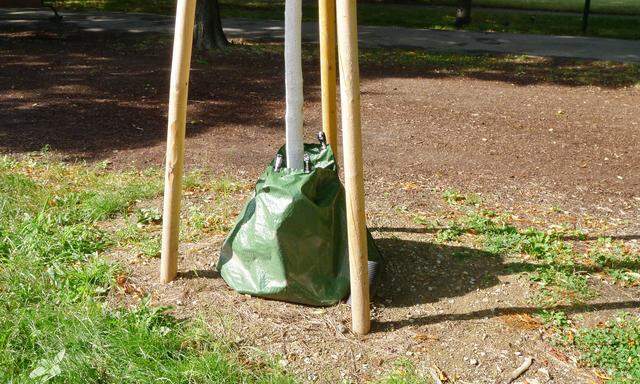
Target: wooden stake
x=179, y=89
x=327, y=23
x=353, y=172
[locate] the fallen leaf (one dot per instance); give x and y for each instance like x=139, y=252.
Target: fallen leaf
x=521, y=321
x=425, y=337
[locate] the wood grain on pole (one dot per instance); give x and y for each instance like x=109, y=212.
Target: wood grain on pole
x=327, y=24
x=179, y=89
x=353, y=169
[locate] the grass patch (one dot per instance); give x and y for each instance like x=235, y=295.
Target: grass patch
x=55, y=325
x=623, y=7
x=614, y=347
x=518, y=69
x=560, y=273
x=563, y=263
x=405, y=372
x=557, y=319
x=614, y=259
x=210, y=206
x=419, y=16
x=554, y=268
x=484, y=20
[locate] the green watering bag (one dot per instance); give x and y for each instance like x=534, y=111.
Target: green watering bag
x=290, y=240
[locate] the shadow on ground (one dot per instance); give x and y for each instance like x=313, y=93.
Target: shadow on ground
x=419, y=272
x=88, y=94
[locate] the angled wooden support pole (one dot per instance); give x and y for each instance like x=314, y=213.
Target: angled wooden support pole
x=327, y=25
x=179, y=89
x=353, y=169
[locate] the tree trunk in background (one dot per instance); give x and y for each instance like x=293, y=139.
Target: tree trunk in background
x=463, y=13
x=585, y=15
x=208, y=32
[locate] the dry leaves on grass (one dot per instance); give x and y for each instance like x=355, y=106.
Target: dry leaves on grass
x=128, y=287
x=521, y=321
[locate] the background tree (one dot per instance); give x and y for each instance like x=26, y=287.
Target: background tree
x=463, y=13
x=208, y=32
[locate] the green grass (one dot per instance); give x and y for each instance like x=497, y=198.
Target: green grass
x=622, y=7
x=614, y=347
x=412, y=16
x=560, y=273
x=554, y=268
x=517, y=69
x=629, y=7
x=55, y=324
x=416, y=16
x=405, y=372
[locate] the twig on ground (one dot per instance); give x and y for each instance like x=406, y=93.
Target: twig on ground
x=520, y=370
x=438, y=376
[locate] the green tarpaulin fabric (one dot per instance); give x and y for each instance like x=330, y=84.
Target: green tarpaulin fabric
x=290, y=240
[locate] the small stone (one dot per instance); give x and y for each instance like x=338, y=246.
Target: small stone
x=312, y=376
x=473, y=362
x=306, y=360
x=544, y=373
x=340, y=328
x=518, y=353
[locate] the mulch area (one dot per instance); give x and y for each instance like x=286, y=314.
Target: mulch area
x=534, y=145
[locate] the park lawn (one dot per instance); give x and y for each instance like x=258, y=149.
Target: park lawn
x=517, y=68
x=411, y=16
x=60, y=316
x=55, y=321
x=621, y=7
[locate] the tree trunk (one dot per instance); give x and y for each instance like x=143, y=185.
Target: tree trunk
x=208, y=32
x=463, y=13
x=585, y=15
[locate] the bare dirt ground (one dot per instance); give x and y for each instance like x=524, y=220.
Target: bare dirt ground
x=547, y=151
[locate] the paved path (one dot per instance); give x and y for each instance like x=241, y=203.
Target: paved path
x=370, y=36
